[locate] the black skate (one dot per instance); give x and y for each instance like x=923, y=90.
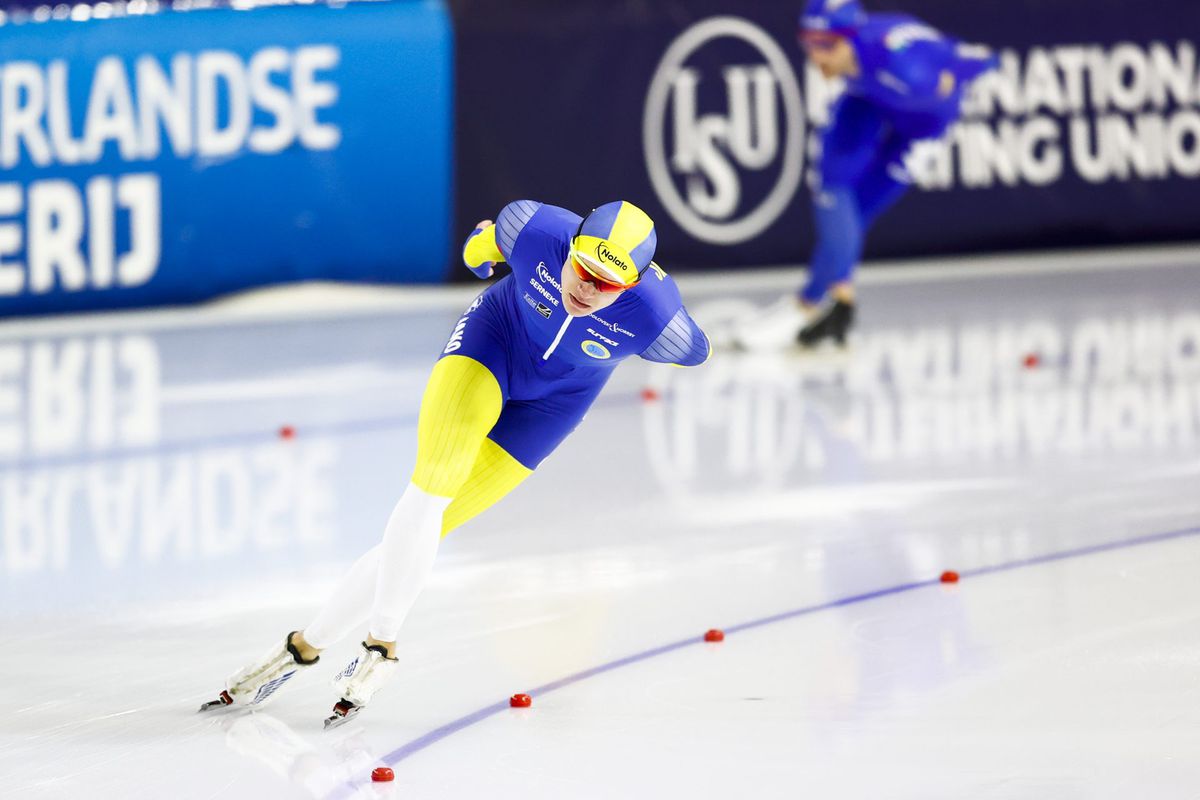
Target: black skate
x=833, y=323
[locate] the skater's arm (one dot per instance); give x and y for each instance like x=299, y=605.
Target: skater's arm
x=973, y=60
x=491, y=243
x=930, y=72
x=919, y=78
x=681, y=343
x=480, y=252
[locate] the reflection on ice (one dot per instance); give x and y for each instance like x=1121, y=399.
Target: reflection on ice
x=315, y=770
x=204, y=504
x=933, y=393
x=60, y=395
x=149, y=512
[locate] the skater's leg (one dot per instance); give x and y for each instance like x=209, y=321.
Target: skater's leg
x=527, y=432
x=843, y=234
x=524, y=434
x=848, y=148
x=839, y=241
x=406, y=558
x=347, y=607
x=885, y=181
x=879, y=187
x=465, y=390
x=462, y=402
x=494, y=474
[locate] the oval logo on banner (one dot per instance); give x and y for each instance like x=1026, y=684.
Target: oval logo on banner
x=595, y=349
x=725, y=97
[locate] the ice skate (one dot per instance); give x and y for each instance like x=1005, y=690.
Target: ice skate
x=359, y=681
x=832, y=322
x=255, y=684
x=773, y=328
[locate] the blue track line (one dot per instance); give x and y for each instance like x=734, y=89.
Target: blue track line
x=433, y=737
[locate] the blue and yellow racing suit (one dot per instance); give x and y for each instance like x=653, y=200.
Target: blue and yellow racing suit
x=518, y=373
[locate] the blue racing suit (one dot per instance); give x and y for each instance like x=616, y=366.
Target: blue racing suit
x=551, y=366
x=909, y=87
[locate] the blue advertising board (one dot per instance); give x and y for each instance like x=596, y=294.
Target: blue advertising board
x=171, y=157
x=706, y=114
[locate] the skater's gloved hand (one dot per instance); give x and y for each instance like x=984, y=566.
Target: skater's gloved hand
x=480, y=253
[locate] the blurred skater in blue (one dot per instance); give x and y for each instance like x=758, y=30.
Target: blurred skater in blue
x=904, y=83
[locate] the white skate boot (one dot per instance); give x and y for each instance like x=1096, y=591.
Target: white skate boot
x=359, y=681
x=774, y=328
x=254, y=685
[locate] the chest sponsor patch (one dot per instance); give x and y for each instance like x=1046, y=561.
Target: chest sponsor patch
x=595, y=349
x=541, y=308
x=545, y=275
x=612, y=326
x=544, y=292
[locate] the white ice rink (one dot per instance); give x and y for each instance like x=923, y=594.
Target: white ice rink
x=156, y=533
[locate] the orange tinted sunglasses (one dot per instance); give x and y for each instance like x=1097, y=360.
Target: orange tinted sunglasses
x=587, y=276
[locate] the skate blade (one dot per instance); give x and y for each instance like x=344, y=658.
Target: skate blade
x=223, y=701
x=343, y=712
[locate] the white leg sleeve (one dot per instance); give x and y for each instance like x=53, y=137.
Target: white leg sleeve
x=406, y=558
x=349, y=605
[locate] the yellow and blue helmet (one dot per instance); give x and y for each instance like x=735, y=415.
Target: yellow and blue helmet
x=615, y=242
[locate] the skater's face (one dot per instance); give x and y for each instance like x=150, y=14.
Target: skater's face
x=581, y=297
x=832, y=54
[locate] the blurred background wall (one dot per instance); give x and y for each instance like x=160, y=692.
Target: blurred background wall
x=154, y=154
x=165, y=157
x=703, y=112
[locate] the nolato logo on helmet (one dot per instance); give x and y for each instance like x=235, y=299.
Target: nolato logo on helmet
x=733, y=172
x=605, y=254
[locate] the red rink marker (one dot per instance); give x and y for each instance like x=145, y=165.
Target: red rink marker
x=287, y=432
x=382, y=774
x=520, y=701
x=650, y=395
x=949, y=576
x=714, y=635
x=1032, y=361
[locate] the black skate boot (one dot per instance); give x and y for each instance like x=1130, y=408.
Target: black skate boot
x=833, y=323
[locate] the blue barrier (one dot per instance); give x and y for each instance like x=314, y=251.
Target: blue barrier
x=172, y=157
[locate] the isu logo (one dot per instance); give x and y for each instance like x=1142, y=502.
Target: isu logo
x=735, y=165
